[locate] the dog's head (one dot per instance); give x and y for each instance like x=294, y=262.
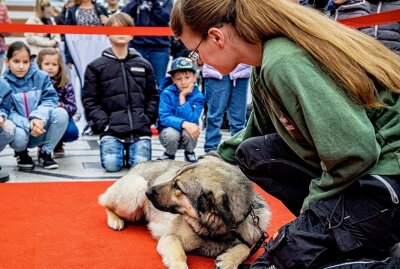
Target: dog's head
x=211, y=194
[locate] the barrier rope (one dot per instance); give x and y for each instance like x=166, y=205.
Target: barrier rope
x=373, y=19
x=93, y=30
x=357, y=22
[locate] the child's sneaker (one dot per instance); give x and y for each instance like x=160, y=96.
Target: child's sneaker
x=4, y=177
x=166, y=156
x=46, y=161
x=59, y=150
x=190, y=157
x=24, y=161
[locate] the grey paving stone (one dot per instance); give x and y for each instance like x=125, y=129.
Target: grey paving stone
x=81, y=162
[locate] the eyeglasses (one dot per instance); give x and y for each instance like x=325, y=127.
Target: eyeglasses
x=194, y=54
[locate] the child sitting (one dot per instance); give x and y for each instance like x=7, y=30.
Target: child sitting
x=50, y=61
x=38, y=119
x=181, y=104
x=7, y=128
x=120, y=99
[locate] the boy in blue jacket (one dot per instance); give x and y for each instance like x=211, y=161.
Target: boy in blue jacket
x=181, y=104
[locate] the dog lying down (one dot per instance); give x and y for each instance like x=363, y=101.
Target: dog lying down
x=208, y=208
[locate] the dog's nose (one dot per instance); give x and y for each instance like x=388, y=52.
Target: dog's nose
x=151, y=193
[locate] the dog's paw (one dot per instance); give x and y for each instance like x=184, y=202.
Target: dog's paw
x=179, y=266
x=174, y=265
x=115, y=223
x=226, y=261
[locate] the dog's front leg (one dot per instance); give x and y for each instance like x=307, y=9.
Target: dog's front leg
x=232, y=257
x=172, y=252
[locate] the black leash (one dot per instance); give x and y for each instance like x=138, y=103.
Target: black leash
x=264, y=234
x=263, y=237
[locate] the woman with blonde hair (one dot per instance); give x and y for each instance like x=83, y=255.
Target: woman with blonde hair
x=323, y=136
x=43, y=12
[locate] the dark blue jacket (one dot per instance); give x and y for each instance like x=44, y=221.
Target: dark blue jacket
x=150, y=13
x=171, y=113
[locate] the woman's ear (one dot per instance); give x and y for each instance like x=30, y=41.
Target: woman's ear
x=217, y=36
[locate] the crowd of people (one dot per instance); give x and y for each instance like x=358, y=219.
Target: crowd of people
x=140, y=69
x=323, y=135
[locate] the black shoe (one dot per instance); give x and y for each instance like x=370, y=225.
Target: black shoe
x=166, y=156
x=46, y=161
x=190, y=157
x=24, y=161
x=4, y=177
x=395, y=251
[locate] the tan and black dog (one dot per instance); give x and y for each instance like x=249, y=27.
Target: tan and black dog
x=208, y=208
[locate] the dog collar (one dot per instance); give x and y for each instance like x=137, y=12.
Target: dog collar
x=256, y=221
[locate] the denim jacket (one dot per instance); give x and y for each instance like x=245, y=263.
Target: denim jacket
x=5, y=101
x=33, y=96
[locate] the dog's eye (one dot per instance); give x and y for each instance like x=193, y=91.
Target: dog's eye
x=175, y=185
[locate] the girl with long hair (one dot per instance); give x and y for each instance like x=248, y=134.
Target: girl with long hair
x=34, y=111
x=50, y=61
x=323, y=136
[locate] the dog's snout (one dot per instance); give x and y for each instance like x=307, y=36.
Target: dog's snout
x=151, y=193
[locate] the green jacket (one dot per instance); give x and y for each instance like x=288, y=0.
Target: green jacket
x=294, y=97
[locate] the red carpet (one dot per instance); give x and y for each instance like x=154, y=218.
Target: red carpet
x=60, y=225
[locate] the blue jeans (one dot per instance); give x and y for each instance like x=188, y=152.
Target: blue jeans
x=158, y=58
x=6, y=133
x=224, y=95
x=71, y=133
x=55, y=129
x=112, y=154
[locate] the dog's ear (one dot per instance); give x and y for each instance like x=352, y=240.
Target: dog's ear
x=206, y=202
x=219, y=204
x=222, y=205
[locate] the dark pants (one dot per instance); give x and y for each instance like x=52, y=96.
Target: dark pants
x=361, y=223
x=271, y=164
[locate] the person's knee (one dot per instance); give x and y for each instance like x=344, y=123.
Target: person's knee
x=111, y=154
x=8, y=131
x=111, y=163
x=71, y=133
x=170, y=134
x=20, y=141
x=59, y=115
x=245, y=153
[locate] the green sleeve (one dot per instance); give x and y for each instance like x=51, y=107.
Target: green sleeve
x=228, y=148
x=336, y=128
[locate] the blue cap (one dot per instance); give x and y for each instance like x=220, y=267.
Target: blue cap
x=181, y=64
